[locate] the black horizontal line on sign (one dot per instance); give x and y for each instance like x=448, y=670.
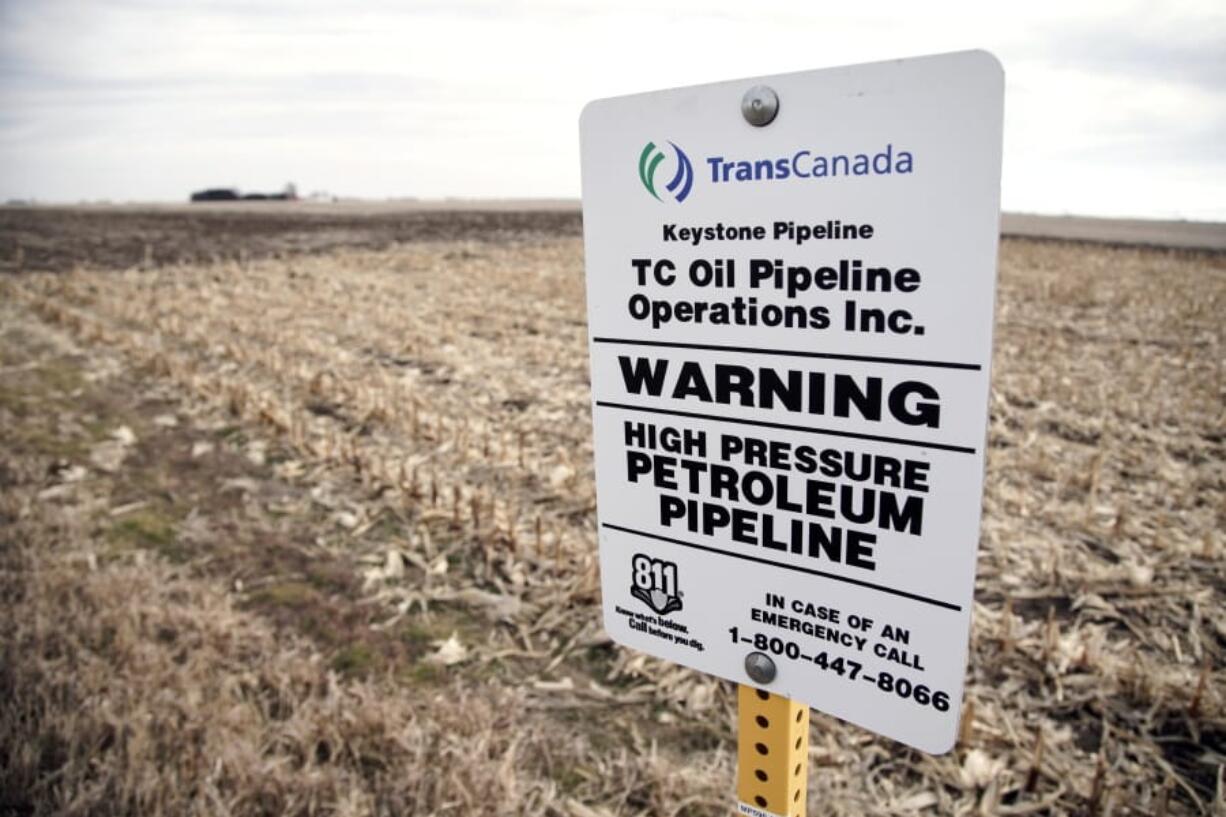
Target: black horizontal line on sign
x=796, y=568
x=855, y=435
x=896, y=361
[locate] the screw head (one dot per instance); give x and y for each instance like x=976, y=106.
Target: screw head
x=759, y=106
x=760, y=667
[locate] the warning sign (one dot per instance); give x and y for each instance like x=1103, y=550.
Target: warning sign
x=790, y=312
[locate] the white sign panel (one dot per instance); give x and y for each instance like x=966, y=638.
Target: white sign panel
x=791, y=332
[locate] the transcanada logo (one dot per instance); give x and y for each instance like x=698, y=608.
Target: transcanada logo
x=683, y=177
x=803, y=164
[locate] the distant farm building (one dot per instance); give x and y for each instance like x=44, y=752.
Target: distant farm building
x=216, y=194
x=290, y=193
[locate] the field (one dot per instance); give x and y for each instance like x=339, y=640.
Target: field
x=297, y=517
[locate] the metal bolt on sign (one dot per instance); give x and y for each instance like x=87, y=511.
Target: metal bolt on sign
x=759, y=667
x=760, y=105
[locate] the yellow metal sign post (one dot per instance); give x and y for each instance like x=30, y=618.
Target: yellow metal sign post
x=772, y=755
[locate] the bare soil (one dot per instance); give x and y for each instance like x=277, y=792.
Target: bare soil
x=1207, y=236
x=57, y=239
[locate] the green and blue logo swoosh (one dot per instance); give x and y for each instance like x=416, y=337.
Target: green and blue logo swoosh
x=683, y=178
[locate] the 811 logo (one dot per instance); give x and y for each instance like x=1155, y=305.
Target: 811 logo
x=683, y=174
x=654, y=582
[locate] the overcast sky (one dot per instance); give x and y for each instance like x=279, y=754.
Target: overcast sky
x=1112, y=108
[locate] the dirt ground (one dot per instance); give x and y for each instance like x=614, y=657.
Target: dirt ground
x=57, y=239
x=1185, y=235
x=312, y=532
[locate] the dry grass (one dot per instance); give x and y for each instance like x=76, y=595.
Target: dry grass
x=149, y=693
x=401, y=440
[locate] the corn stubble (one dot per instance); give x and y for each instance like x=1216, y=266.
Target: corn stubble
x=446, y=384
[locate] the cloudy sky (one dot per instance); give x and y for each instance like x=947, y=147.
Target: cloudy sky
x=1112, y=108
